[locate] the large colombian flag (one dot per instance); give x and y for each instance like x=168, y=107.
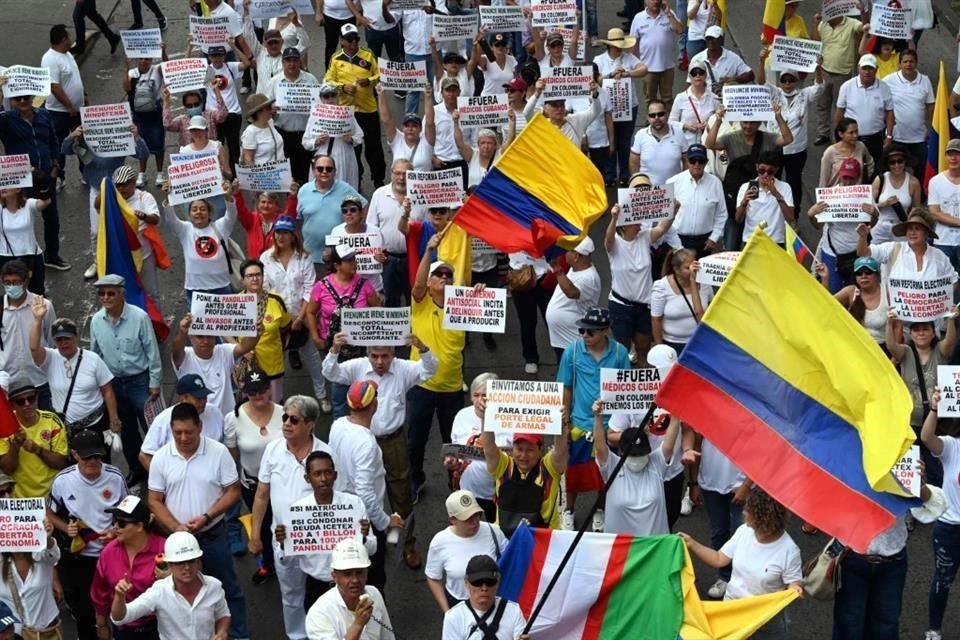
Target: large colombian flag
x=773, y=20
x=542, y=191
x=618, y=586
x=939, y=131
x=785, y=382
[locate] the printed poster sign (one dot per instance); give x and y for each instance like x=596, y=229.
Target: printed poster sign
x=199, y=177
x=408, y=5
x=568, y=82
x=142, y=43
x=266, y=9
x=21, y=525
x=715, y=268
x=948, y=381
x=621, y=95
x=442, y=188
x=270, y=176
x=838, y=8
x=224, y=315
x=891, y=22
x=794, y=54
x=402, y=76
x=210, y=31
x=469, y=309
x=187, y=74
x=365, y=246
x=845, y=204
x=331, y=119
x=547, y=13
x=376, y=326
x=297, y=98
x=447, y=28
x=917, y=300
x=907, y=471
x=628, y=391
x=524, y=406
x=26, y=81
x=502, y=19
x=317, y=528
x=16, y=172
x=106, y=129
x=750, y=102
x=489, y=111
x=567, y=33
x=645, y=205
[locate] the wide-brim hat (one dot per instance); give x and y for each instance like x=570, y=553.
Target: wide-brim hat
x=915, y=217
x=255, y=103
x=617, y=38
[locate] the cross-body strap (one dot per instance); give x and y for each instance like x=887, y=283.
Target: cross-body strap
x=73, y=382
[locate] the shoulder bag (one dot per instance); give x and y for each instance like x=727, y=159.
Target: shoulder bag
x=821, y=576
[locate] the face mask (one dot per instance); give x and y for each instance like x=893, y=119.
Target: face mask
x=636, y=464
x=790, y=94
x=14, y=291
x=194, y=111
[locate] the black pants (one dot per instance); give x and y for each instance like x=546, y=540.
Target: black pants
x=672, y=497
x=76, y=575
x=35, y=263
x=874, y=144
x=299, y=157
x=377, y=573
x=916, y=159
x=315, y=588
x=527, y=304
x=372, y=148
x=138, y=13
x=229, y=134
x=331, y=36
x=88, y=9
x=792, y=173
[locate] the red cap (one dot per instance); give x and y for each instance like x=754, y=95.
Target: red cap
x=850, y=168
x=532, y=438
x=517, y=84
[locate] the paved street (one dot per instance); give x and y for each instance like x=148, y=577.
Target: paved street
x=23, y=39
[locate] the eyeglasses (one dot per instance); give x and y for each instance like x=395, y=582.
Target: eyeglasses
x=763, y=171
x=485, y=582
x=698, y=72
x=323, y=169
x=120, y=524
x=443, y=273
x=588, y=332
x=696, y=161
x=253, y=276
x=349, y=209
x=787, y=79
x=294, y=420
x=106, y=293
x=893, y=161
x=24, y=400
x=658, y=114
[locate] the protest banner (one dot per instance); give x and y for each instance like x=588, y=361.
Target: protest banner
x=948, y=381
x=918, y=300
x=839, y=8
x=188, y=74
x=890, y=22
x=16, y=172
x=567, y=82
x=331, y=119
x=484, y=111
x=268, y=176
x=376, y=326
x=233, y=315
x=402, y=76
x=408, y=5
x=715, y=268
x=106, y=130
x=644, y=205
x=502, y=19
x=297, y=98
x=210, y=31
x=845, y=204
x=26, y=81
x=749, y=102
x=442, y=188
x=621, y=95
x=548, y=13
x=21, y=525
x=567, y=34
x=142, y=43
x=266, y=9
x=907, y=471
x=313, y=528
x=628, y=391
x=469, y=309
x=365, y=246
x=199, y=177
x=447, y=28
x=524, y=406
x=794, y=54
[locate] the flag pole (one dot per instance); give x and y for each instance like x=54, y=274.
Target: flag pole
x=626, y=446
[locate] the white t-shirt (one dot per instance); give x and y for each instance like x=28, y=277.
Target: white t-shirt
x=192, y=485
x=65, y=72
x=373, y=11
x=336, y=9
x=950, y=457
x=459, y=622
x=620, y=422
x=420, y=154
x=206, y=261
x=946, y=195
x=215, y=373
x=910, y=102
x=630, y=268
x=91, y=375
x=240, y=432
x=494, y=77
x=160, y=431
x=760, y=568
x=563, y=312
x=765, y=208
x=697, y=26
x=678, y=321
x=635, y=503
x=717, y=473
x=228, y=76
x=265, y=142
x=449, y=554
x=17, y=237
x=475, y=478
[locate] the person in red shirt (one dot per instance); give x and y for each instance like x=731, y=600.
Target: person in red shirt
x=259, y=223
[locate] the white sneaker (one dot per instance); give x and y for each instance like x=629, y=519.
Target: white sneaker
x=718, y=589
x=60, y=184
x=933, y=635
x=141, y=180
x=91, y=272
x=566, y=521
x=686, y=505
x=598, y=521
x=83, y=180
x=531, y=368
x=161, y=178
x=326, y=406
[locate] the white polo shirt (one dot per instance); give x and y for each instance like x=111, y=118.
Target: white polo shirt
x=318, y=564
x=656, y=41
x=191, y=485
x=765, y=208
x=866, y=105
x=728, y=65
x=660, y=158
x=74, y=497
x=285, y=474
x=215, y=373
x=160, y=432
x=459, y=623
x=910, y=101
x=329, y=618
x=360, y=468
x=91, y=375
x=177, y=618
x=384, y=213
x=703, y=208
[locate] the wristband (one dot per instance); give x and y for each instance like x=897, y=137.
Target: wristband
x=207, y=517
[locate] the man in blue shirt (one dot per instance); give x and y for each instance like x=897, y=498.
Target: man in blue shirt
x=122, y=335
x=318, y=206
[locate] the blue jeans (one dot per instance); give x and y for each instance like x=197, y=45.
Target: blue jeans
x=622, y=140
x=132, y=393
x=867, y=606
x=411, y=104
x=218, y=562
x=946, y=557
x=681, y=10
x=396, y=281
x=338, y=398
x=421, y=405
x=694, y=47
x=725, y=516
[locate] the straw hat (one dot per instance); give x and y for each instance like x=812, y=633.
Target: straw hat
x=617, y=38
x=256, y=102
x=919, y=216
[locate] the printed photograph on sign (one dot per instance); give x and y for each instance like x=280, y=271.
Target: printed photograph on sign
x=628, y=391
x=524, y=406
x=648, y=205
x=917, y=300
x=715, y=268
x=469, y=309
x=224, y=315
x=948, y=381
x=376, y=326
x=747, y=102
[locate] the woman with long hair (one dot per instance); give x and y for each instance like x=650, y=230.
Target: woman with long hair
x=866, y=299
x=677, y=302
x=848, y=146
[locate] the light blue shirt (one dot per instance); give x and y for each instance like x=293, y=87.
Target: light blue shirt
x=320, y=213
x=129, y=346
x=579, y=369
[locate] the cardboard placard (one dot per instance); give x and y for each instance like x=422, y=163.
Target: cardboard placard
x=621, y=95
x=547, y=13
x=567, y=34
x=794, y=54
x=318, y=528
x=489, y=111
x=408, y=5
x=233, y=315
x=266, y=9
x=890, y=22
x=948, y=381
x=469, y=309
x=845, y=204
x=26, y=81
x=524, y=406
x=628, y=391
x=402, y=76
x=270, y=176
x=142, y=43
x=297, y=98
x=376, y=326
x=106, y=130
x=568, y=82
x=331, y=119
x=838, y=8
x=21, y=525
x=210, y=31
x=16, y=172
x=442, y=188
x=907, y=471
x=715, y=268
x=502, y=19
x=365, y=246
x=750, y=102
x=645, y=205
x=451, y=28
x=199, y=177
x=188, y=74
x=918, y=300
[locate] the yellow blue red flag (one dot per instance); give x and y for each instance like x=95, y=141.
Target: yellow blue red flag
x=773, y=20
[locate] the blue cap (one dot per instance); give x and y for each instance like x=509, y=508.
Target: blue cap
x=194, y=385
x=7, y=619
x=285, y=223
x=697, y=151
x=866, y=262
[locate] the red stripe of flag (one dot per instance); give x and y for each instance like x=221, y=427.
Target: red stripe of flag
x=541, y=546
x=615, y=565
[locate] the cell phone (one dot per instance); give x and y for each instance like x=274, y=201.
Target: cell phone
x=364, y=598
x=754, y=188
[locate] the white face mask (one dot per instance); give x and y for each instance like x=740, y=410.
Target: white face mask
x=636, y=464
x=790, y=94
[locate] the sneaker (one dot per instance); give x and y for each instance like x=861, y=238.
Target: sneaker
x=598, y=521
x=57, y=264
x=161, y=178
x=162, y=23
x=261, y=575
x=932, y=635
x=566, y=521
x=83, y=180
x=718, y=589
x=531, y=368
x=91, y=272
x=244, y=90
x=326, y=406
x=60, y=184
x=141, y=180
x=686, y=504
x=416, y=490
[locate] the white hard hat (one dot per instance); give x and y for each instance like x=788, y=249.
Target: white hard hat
x=663, y=357
x=181, y=546
x=349, y=554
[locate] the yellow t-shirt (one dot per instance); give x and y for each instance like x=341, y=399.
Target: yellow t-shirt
x=840, y=45
x=796, y=28
x=548, y=508
x=33, y=477
x=887, y=67
x=269, y=349
x=426, y=322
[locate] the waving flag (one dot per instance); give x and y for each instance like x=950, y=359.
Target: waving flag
x=773, y=20
x=796, y=247
x=118, y=252
x=785, y=382
x=940, y=131
x=542, y=191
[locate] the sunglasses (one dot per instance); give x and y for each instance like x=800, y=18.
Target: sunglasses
x=588, y=332
x=485, y=582
x=787, y=79
x=24, y=400
x=865, y=272
x=120, y=524
x=658, y=114
x=698, y=72
x=766, y=172
x=696, y=161
x=294, y=420
x=443, y=273
x=323, y=169
x=106, y=293
x=349, y=209
x=20, y=98
x=892, y=161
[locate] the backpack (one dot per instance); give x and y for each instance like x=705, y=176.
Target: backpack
x=143, y=97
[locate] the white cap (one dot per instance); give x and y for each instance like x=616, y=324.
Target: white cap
x=349, y=30
x=713, y=31
x=663, y=357
x=198, y=122
x=181, y=546
x=932, y=508
x=349, y=554
x=867, y=60
x=585, y=247
x=462, y=505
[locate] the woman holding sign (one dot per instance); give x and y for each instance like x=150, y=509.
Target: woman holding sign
x=27, y=578
x=341, y=147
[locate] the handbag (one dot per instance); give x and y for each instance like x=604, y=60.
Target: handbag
x=522, y=279
x=821, y=576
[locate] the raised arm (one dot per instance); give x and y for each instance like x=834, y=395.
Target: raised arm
x=928, y=433
x=601, y=450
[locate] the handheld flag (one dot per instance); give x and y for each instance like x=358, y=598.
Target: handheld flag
x=774, y=22
x=797, y=248
x=785, y=382
x=939, y=131
x=721, y=6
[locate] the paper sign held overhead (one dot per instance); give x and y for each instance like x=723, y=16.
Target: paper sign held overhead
x=645, y=205
x=142, y=43
x=224, y=315
x=467, y=309
x=628, y=391
x=402, y=76
x=106, y=130
x=524, y=406
x=376, y=326
x=918, y=300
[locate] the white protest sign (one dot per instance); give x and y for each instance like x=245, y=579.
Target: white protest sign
x=839, y=8
x=845, y=204
x=502, y=19
x=644, y=205
x=106, y=129
x=948, y=381
x=266, y=9
x=794, y=54
x=442, y=188
x=199, y=177
x=621, y=95
x=376, y=326
x=313, y=528
x=16, y=172
x=402, y=76
x=365, y=246
x=331, y=119
x=467, y=309
x=210, y=31
x=484, y=111
x=224, y=315
x=142, y=43
x=188, y=74
x=21, y=525
x=891, y=22
x=750, y=102
x=547, y=13
x=408, y=5
x=907, y=471
x=567, y=34
x=567, y=82
x=524, y=406
x=715, y=268
x=628, y=391
x=297, y=98
x=919, y=300
x=26, y=81
x=447, y=28
x=270, y=176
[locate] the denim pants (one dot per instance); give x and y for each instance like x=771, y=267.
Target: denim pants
x=867, y=606
x=266, y=537
x=218, y=562
x=411, y=104
x=396, y=281
x=377, y=40
x=622, y=141
x=132, y=393
x=725, y=516
x=421, y=406
x=338, y=397
x=946, y=557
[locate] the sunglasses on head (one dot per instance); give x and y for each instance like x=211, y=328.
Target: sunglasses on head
x=23, y=401
x=294, y=420
x=484, y=582
x=323, y=169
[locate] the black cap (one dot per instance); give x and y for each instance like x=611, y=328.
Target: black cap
x=595, y=318
x=194, y=385
x=697, y=151
x=291, y=52
x=254, y=381
x=64, y=328
x=482, y=567
x=217, y=50
x=87, y=443
x=642, y=446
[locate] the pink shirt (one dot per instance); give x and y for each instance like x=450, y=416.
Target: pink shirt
x=328, y=305
x=113, y=565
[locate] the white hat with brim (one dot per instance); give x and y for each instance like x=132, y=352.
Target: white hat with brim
x=932, y=508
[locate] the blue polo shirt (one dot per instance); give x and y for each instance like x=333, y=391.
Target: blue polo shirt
x=586, y=379
x=320, y=213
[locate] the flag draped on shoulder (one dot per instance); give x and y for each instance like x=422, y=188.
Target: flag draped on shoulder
x=939, y=131
x=786, y=383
